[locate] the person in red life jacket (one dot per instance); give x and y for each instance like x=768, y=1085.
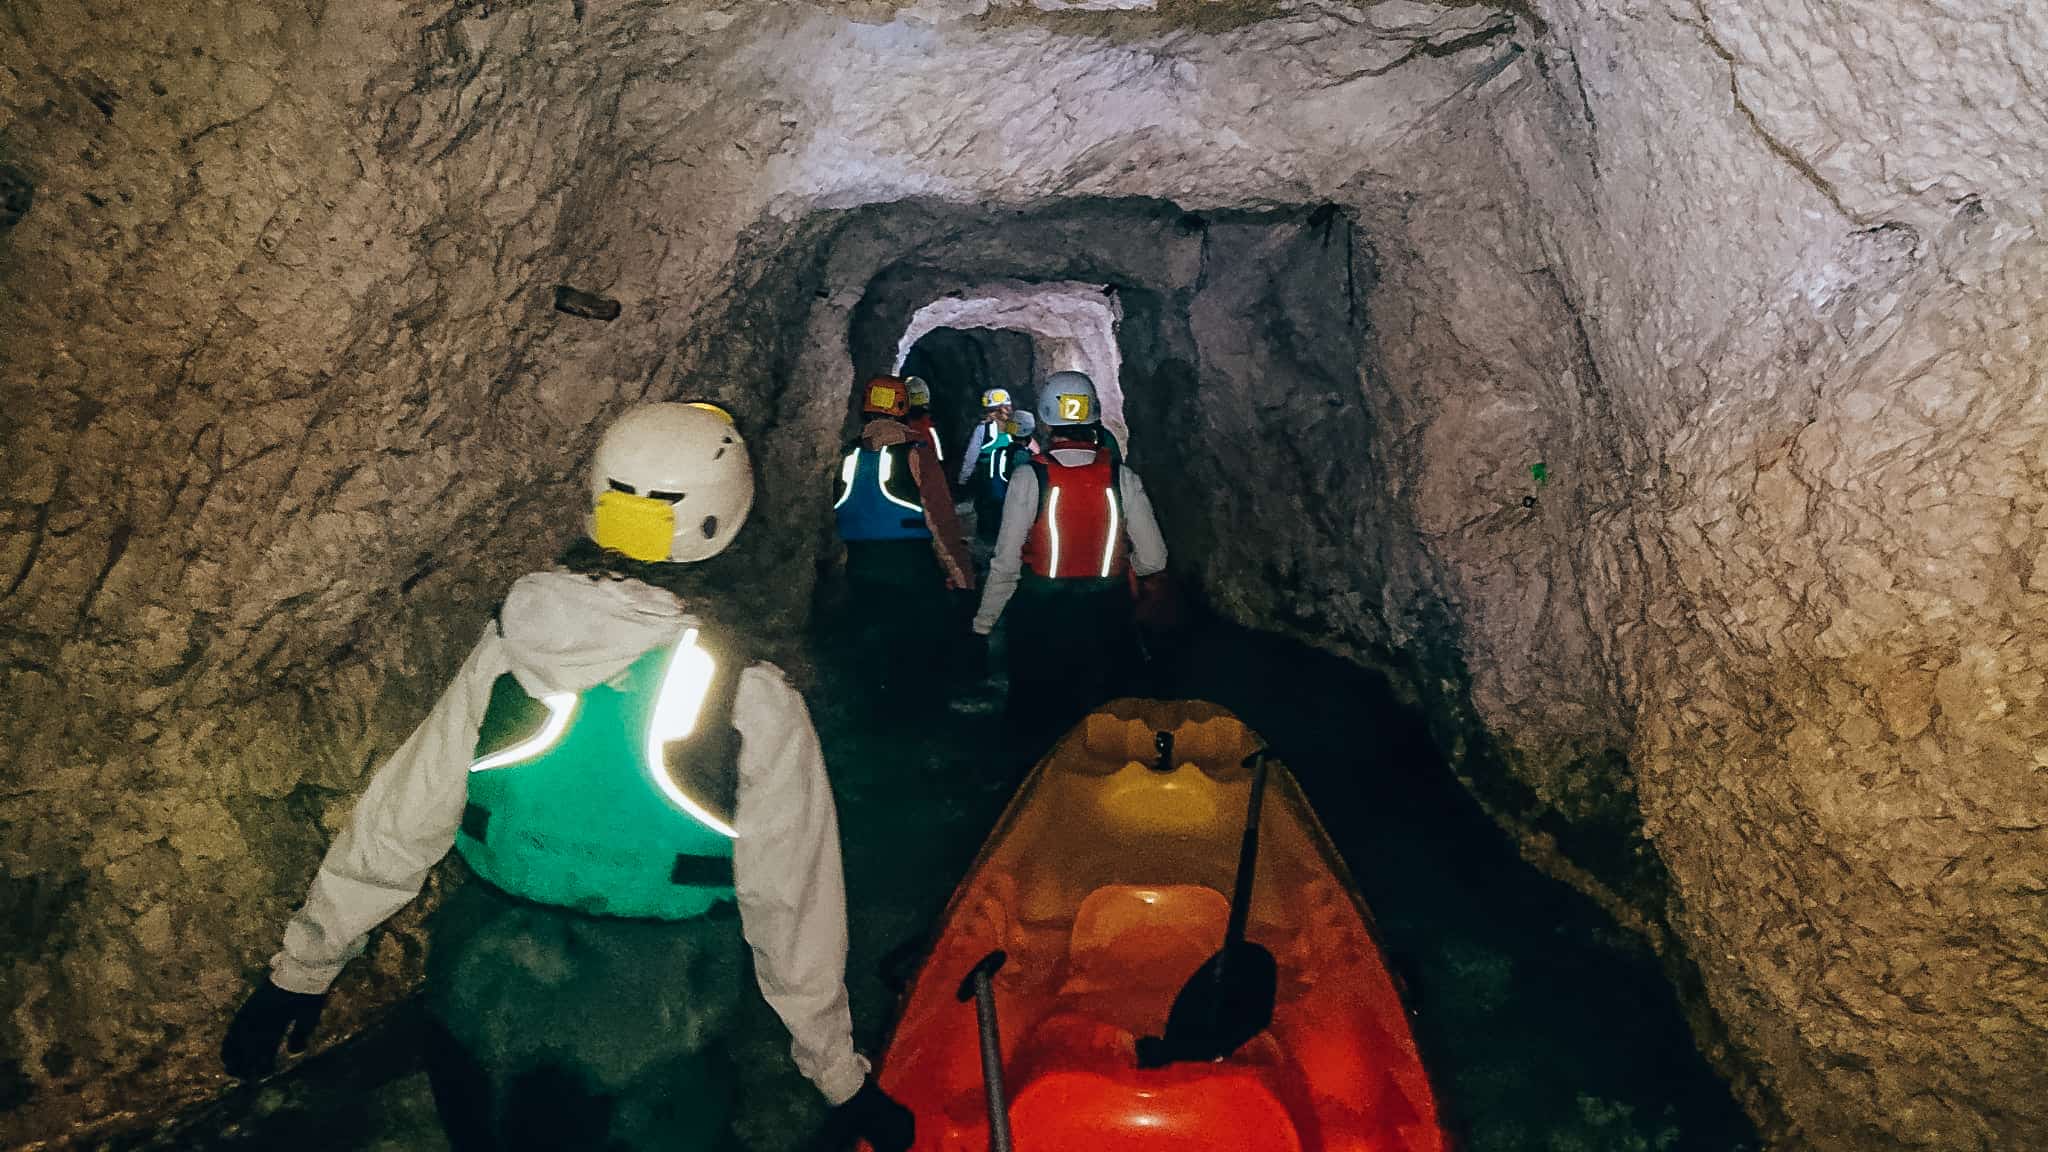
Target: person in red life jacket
x=1076, y=526
x=919, y=418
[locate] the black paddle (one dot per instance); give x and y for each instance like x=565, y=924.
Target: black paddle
x=981, y=988
x=1229, y=999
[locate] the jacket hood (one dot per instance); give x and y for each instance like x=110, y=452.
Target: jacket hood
x=878, y=434
x=565, y=633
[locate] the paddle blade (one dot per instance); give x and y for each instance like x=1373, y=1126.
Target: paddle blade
x=1225, y=1003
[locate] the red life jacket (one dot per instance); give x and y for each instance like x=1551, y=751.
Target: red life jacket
x=1079, y=534
x=921, y=423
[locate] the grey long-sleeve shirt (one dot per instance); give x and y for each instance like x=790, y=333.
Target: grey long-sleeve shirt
x=972, y=455
x=562, y=632
x=1020, y=512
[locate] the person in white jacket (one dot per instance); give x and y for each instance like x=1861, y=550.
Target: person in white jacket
x=638, y=803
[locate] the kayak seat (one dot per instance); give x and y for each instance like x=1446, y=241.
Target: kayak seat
x=1127, y=934
x=1078, y=1089
x=1131, y=948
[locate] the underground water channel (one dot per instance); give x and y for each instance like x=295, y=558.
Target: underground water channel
x=1545, y=1027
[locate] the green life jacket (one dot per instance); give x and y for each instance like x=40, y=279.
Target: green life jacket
x=995, y=458
x=616, y=801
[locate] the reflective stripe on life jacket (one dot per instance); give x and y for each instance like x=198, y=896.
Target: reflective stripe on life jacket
x=878, y=496
x=996, y=456
x=922, y=425
x=1079, y=533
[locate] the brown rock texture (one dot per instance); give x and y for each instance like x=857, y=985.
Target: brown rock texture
x=1656, y=383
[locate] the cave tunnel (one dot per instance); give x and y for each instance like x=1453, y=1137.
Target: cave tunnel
x=963, y=363
x=1596, y=447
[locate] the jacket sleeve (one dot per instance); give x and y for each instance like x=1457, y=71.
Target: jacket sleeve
x=792, y=891
x=949, y=539
x=971, y=455
x=1020, y=511
x=1148, y=547
x=403, y=825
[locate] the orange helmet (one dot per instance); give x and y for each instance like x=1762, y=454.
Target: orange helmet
x=885, y=396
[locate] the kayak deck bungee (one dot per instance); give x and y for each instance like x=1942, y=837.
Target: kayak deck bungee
x=1106, y=884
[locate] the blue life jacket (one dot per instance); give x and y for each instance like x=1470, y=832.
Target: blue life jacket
x=878, y=497
x=615, y=801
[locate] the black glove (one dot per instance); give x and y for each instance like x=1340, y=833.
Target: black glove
x=269, y=1015
x=876, y=1117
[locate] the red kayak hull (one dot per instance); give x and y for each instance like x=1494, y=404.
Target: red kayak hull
x=1105, y=883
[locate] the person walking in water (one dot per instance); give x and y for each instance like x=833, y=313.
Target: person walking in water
x=985, y=465
x=641, y=802
x=1076, y=525
x=906, y=552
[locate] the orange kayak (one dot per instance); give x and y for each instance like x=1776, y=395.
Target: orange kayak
x=1107, y=884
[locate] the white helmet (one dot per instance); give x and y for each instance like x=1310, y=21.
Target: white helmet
x=1068, y=399
x=995, y=397
x=920, y=392
x=670, y=483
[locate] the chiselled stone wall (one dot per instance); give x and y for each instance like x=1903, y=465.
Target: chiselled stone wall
x=1805, y=237
x=1687, y=456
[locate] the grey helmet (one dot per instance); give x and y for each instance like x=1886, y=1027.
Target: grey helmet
x=1068, y=400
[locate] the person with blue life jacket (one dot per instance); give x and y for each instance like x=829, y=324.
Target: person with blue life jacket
x=892, y=486
x=644, y=810
x=906, y=551
x=1076, y=528
x=877, y=496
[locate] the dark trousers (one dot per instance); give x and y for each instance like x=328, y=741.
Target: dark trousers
x=549, y=1029
x=988, y=510
x=898, y=581
x=1072, y=647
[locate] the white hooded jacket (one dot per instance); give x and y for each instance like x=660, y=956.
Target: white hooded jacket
x=560, y=632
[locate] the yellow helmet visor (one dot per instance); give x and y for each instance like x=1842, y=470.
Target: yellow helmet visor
x=637, y=526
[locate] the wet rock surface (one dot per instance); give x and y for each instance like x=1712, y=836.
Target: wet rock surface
x=1676, y=429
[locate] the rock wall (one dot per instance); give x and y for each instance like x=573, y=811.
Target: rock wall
x=1674, y=427
x=1807, y=236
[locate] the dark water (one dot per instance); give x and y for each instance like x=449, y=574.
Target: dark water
x=1544, y=1025
x=1546, y=1028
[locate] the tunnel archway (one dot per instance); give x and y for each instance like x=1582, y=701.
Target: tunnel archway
x=961, y=364
x=1073, y=326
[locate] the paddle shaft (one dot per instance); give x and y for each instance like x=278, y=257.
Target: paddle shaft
x=992, y=1062
x=1247, y=857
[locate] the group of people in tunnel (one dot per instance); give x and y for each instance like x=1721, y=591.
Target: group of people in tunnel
x=1064, y=540
x=641, y=796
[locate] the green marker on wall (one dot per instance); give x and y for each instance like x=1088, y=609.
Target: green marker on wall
x=1541, y=472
